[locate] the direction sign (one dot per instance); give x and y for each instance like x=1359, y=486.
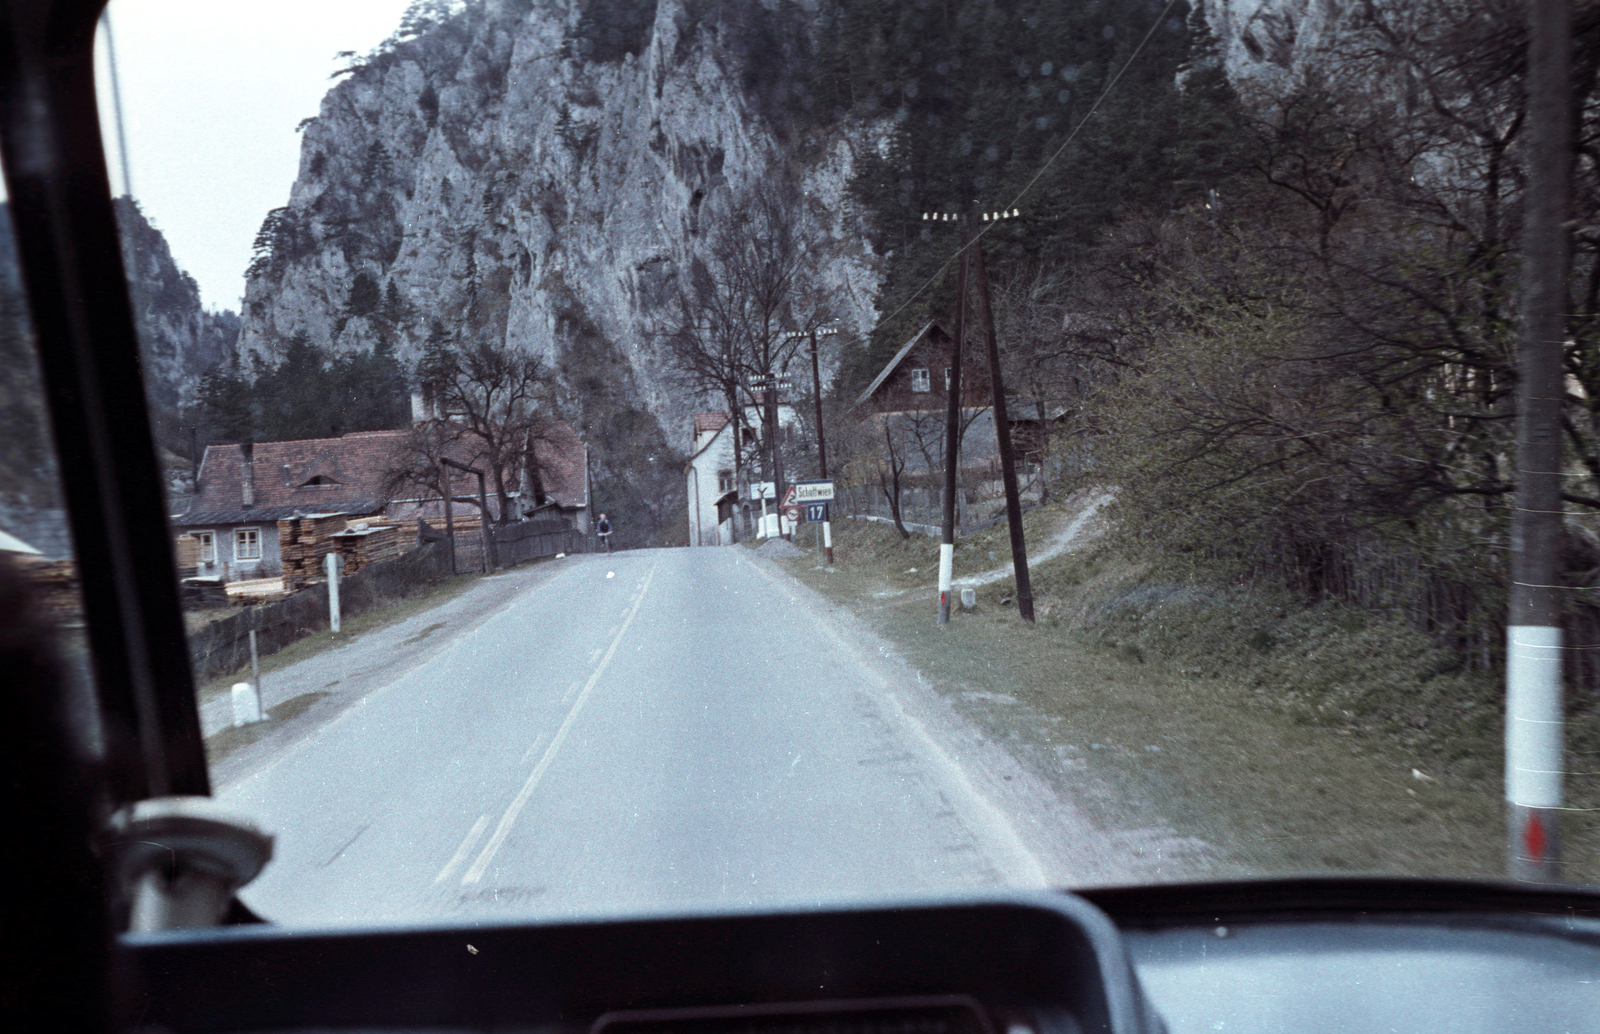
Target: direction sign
x=816, y=512
x=813, y=491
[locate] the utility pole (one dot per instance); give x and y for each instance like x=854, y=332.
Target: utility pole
x=1002, y=431
x=952, y=432
x=769, y=416
x=1534, y=708
x=822, y=443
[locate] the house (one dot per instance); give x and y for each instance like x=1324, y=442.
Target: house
x=717, y=494
x=918, y=377
x=910, y=396
x=243, y=491
x=713, y=494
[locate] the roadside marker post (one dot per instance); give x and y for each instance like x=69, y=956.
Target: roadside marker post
x=334, y=563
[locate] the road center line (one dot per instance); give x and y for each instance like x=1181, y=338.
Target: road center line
x=538, y=741
x=465, y=849
x=503, y=830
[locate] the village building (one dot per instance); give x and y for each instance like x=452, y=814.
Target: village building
x=243, y=491
x=719, y=491
x=910, y=396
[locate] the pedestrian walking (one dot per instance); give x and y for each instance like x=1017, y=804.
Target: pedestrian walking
x=603, y=529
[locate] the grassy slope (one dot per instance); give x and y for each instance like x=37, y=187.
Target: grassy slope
x=1284, y=737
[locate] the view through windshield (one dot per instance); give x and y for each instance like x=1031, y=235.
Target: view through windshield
x=602, y=438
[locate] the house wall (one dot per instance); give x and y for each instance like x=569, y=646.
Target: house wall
x=933, y=354
x=703, y=490
x=228, y=566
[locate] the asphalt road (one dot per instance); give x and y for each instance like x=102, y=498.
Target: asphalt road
x=651, y=729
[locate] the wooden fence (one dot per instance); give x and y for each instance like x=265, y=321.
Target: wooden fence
x=224, y=646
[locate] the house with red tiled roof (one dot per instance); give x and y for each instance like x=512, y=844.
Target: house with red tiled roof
x=243, y=491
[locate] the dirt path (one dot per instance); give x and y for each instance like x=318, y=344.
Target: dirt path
x=1077, y=527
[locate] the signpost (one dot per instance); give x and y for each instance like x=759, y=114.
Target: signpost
x=816, y=495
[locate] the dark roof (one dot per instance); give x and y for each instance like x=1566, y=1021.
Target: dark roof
x=341, y=472
x=267, y=514
x=563, y=462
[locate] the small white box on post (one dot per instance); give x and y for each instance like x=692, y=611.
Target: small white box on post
x=246, y=704
x=969, y=599
x=335, y=564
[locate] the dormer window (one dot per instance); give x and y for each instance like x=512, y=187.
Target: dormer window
x=320, y=481
x=919, y=379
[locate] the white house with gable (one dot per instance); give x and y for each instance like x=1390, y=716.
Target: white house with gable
x=713, y=493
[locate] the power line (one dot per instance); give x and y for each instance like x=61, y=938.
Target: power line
x=1160, y=20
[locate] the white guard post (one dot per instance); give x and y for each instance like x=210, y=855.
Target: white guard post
x=334, y=563
x=1534, y=761
x=947, y=556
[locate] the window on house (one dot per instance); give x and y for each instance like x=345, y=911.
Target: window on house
x=320, y=481
x=247, y=544
x=919, y=379
x=208, y=546
x=947, y=378
x=724, y=481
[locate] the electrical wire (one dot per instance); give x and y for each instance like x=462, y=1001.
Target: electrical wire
x=1160, y=20
x=116, y=101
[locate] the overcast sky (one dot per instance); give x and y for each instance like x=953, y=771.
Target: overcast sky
x=211, y=93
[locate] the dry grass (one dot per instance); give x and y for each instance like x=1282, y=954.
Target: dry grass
x=1284, y=737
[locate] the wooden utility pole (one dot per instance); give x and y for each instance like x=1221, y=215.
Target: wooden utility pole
x=1534, y=709
x=952, y=432
x=822, y=445
x=1002, y=434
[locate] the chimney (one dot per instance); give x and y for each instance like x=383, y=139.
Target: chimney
x=421, y=407
x=247, y=475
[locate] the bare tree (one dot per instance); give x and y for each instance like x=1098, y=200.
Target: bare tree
x=724, y=334
x=488, y=408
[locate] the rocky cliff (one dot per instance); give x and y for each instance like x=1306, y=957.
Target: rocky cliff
x=539, y=172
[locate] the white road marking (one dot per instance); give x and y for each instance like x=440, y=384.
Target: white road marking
x=465, y=849
x=594, y=655
x=572, y=690
x=503, y=830
x=537, y=743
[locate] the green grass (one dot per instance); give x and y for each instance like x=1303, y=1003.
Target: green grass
x=1284, y=734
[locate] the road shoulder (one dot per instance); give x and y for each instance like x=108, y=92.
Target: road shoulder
x=300, y=698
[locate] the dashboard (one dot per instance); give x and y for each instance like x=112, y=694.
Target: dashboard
x=1016, y=964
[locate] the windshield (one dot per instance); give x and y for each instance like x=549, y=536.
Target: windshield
x=626, y=455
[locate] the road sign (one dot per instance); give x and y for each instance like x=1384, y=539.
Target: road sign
x=816, y=511
x=792, y=514
x=813, y=492
x=788, y=498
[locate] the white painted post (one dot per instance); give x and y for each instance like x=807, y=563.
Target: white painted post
x=255, y=666
x=246, y=705
x=333, y=562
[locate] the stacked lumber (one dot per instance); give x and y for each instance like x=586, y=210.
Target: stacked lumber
x=255, y=591
x=187, y=548
x=364, y=542
x=405, y=531
x=303, y=542
x=55, y=587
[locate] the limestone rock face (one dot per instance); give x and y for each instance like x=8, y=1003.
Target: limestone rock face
x=179, y=340
x=519, y=173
